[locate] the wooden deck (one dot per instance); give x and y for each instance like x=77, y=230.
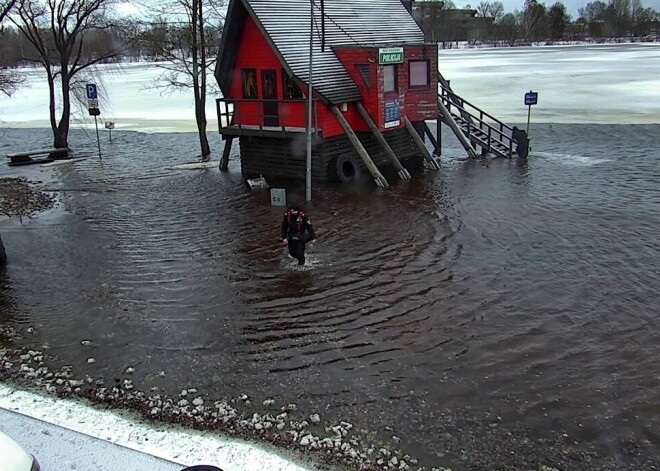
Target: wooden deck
x=264, y=131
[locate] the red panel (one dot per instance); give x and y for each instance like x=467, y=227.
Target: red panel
x=255, y=53
x=421, y=104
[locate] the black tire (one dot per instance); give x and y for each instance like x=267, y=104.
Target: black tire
x=348, y=168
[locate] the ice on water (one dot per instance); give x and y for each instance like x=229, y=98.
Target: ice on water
x=616, y=83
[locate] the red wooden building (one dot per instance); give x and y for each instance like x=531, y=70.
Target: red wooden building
x=374, y=84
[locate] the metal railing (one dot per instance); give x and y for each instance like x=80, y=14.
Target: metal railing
x=246, y=114
x=490, y=133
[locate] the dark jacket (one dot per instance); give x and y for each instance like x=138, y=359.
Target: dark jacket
x=298, y=226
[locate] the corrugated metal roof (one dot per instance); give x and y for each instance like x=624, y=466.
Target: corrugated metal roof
x=353, y=23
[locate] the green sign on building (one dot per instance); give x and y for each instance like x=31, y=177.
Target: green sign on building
x=390, y=55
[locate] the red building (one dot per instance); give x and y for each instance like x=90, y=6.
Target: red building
x=374, y=84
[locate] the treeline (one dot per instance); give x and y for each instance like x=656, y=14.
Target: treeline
x=488, y=22
x=137, y=41
x=440, y=20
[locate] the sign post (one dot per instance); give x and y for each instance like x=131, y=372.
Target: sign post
x=531, y=98
x=93, y=107
x=109, y=125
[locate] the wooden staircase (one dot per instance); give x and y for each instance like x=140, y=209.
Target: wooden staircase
x=478, y=129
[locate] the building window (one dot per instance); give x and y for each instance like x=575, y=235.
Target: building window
x=390, y=79
x=249, y=83
x=419, y=74
x=290, y=89
x=364, y=71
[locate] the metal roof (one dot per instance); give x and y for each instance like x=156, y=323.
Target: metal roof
x=348, y=23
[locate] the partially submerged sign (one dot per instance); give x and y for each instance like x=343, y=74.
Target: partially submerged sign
x=531, y=98
x=278, y=197
x=390, y=55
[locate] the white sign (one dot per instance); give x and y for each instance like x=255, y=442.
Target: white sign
x=277, y=197
x=92, y=103
x=109, y=125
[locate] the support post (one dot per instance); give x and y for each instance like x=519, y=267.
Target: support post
x=432, y=138
x=420, y=144
x=359, y=148
x=402, y=172
x=454, y=127
x=224, y=162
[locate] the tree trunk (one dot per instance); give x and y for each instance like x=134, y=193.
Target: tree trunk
x=199, y=75
x=51, y=104
x=203, y=140
x=3, y=254
x=62, y=135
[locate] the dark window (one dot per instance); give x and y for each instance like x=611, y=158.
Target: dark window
x=249, y=83
x=364, y=70
x=419, y=74
x=290, y=88
x=389, y=78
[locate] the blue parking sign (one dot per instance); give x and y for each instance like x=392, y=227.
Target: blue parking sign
x=531, y=98
x=91, y=91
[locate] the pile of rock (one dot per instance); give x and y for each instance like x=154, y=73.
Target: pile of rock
x=20, y=197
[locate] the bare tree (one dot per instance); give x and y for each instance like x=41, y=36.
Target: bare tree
x=189, y=48
x=531, y=20
x=557, y=20
x=59, y=30
x=619, y=16
x=8, y=81
x=5, y=7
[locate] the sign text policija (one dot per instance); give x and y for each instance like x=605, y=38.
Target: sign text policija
x=390, y=55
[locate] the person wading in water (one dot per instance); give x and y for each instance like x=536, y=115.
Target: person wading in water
x=297, y=230
x=522, y=142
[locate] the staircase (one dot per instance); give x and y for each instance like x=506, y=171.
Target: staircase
x=478, y=129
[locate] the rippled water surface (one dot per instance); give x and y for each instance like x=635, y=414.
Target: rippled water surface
x=492, y=314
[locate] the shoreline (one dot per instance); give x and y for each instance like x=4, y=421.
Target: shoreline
x=335, y=446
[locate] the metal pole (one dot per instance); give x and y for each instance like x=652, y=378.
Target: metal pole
x=308, y=171
x=98, y=141
x=529, y=111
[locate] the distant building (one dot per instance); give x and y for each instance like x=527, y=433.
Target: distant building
x=374, y=80
x=448, y=25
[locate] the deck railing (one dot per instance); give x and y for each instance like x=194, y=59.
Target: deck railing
x=250, y=115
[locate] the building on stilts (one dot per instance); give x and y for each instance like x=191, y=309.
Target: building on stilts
x=374, y=85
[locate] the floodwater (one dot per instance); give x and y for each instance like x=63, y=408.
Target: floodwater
x=491, y=315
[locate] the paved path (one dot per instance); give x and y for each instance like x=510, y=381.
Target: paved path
x=73, y=435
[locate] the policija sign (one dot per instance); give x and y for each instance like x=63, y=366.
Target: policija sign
x=390, y=55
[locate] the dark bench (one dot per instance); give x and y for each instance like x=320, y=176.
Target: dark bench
x=26, y=158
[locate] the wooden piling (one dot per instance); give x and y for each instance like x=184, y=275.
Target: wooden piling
x=454, y=127
x=402, y=172
x=420, y=144
x=359, y=148
x=224, y=162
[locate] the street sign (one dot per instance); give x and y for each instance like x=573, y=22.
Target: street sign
x=94, y=112
x=531, y=98
x=91, y=91
x=92, y=103
x=390, y=55
x=109, y=125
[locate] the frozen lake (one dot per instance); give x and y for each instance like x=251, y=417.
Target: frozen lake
x=615, y=83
